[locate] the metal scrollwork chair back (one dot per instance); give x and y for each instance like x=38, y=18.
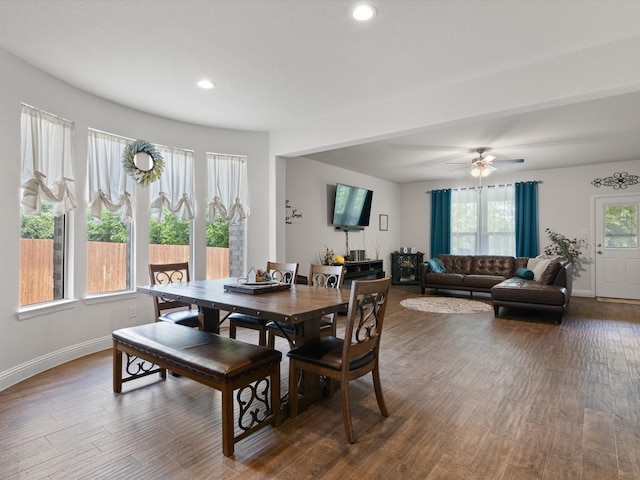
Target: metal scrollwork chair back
x=349, y=358
x=281, y=272
x=166, y=310
x=327, y=276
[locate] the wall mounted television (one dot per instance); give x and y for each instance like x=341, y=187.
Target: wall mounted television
x=351, y=207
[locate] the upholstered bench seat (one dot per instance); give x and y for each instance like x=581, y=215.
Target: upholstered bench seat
x=219, y=362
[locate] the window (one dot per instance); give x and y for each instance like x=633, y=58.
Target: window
x=227, y=211
x=172, y=208
x=483, y=221
x=47, y=183
x=109, y=225
x=621, y=226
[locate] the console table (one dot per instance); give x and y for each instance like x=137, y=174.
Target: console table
x=366, y=269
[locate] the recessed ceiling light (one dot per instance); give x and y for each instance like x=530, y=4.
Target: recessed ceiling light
x=207, y=84
x=362, y=13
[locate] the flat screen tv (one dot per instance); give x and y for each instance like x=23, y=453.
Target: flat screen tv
x=352, y=206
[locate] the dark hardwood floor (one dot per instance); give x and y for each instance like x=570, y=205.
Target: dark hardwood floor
x=469, y=397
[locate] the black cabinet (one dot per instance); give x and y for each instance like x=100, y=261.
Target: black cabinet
x=405, y=268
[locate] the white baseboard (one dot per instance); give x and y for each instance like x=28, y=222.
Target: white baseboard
x=582, y=293
x=32, y=367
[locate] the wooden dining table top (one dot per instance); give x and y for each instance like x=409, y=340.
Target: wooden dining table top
x=299, y=303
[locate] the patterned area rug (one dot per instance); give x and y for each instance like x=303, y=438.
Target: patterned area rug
x=445, y=305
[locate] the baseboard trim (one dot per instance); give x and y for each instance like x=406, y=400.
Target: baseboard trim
x=45, y=362
x=582, y=293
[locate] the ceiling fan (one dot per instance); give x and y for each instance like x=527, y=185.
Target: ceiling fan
x=481, y=166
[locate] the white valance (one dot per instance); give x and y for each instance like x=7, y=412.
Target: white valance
x=227, y=187
x=46, y=162
x=174, y=190
x=109, y=185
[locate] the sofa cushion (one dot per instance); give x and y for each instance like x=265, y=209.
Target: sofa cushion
x=482, y=282
x=493, y=265
x=436, y=265
x=456, y=263
x=452, y=279
x=524, y=273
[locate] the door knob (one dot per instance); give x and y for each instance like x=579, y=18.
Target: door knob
x=599, y=252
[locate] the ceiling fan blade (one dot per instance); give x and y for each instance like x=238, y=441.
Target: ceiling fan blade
x=460, y=168
x=514, y=160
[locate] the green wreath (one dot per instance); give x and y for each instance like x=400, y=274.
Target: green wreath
x=141, y=176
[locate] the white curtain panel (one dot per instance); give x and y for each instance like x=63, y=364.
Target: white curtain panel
x=465, y=214
x=46, y=162
x=109, y=185
x=227, y=187
x=499, y=221
x=174, y=190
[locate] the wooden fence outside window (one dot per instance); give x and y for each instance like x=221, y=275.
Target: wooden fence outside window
x=108, y=274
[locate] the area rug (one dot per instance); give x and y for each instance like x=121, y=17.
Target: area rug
x=445, y=305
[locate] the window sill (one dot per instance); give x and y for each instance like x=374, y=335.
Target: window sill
x=32, y=311
x=110, y=297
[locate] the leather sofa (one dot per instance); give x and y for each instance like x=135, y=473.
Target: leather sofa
x=497, y=274
x=471, y=273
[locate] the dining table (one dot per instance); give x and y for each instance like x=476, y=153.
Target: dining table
x=301, y=306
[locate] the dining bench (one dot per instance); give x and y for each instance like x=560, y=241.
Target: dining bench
x=219, y=362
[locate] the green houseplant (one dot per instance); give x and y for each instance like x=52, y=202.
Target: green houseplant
x=568, y=248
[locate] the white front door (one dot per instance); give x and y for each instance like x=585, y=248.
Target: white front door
x=617, y=247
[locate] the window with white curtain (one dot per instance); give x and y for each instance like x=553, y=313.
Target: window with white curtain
x=47, y=198
x=227, y=187
x=483, y=221
x=227, y=210
x=172, y=207
x=110, y=215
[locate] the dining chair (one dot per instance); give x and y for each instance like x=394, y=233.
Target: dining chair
x=349, y=358
x=327, y=276
x=173, y=311
x=281, y=272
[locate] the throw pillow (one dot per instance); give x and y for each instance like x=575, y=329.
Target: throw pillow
x=436, y=265
x=524, y=273
x=539, y=269
x=549, y=275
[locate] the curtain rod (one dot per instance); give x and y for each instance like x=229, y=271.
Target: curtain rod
x=488, y=186
x=58, y=117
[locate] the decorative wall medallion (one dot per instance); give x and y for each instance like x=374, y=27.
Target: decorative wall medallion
x=617, y=181
x=142, y=161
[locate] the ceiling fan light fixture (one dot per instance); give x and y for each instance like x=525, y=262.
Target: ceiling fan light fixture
x=487, y=170
x=482, y=170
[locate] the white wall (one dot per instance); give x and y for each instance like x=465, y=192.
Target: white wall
x=307, y=185
x=565, y=200
x=28, y=346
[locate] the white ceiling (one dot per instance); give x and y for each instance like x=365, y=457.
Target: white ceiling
x=279, y=64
